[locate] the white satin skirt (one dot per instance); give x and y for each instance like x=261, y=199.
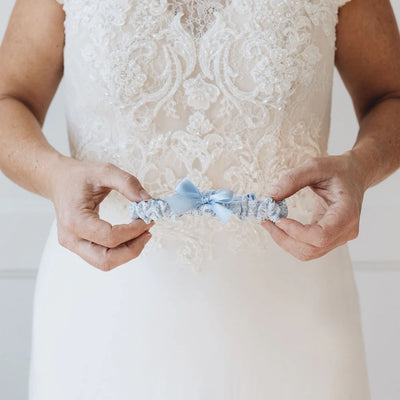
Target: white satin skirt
x=254, y=327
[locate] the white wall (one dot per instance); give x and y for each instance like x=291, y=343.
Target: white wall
x=375, y=254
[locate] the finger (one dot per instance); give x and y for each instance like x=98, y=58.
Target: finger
x=92, y=228
x=128, y=185
x=302, y=251
x=308, y=173
x=340, y=221
x=320, y=234
x=107, y=259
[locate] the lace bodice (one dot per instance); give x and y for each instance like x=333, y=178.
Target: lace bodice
x=230, y=93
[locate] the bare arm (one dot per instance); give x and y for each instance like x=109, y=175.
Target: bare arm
x=31, y=67
x=368, y=60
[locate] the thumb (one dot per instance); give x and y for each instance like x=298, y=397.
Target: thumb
x=123, y=182
x=308, y=173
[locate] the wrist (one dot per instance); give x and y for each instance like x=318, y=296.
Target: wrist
x=362, y=163
x=57, y=165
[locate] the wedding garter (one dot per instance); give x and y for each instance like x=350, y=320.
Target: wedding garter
x=220, y=204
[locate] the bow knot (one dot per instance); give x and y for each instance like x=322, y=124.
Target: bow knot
x=205, y=197
x=188, y=197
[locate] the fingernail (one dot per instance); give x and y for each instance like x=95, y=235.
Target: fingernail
x=144, y=195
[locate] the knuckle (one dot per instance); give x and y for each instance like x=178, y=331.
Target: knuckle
x=107, y=167
x=300, y=257
x=355, y=218
x=106, y=264
x=131, y=180
x=313, y=162
x=110, y=241
x=321, y=242
x=108, y=238
x=355, y=232
x=290, y=176
x=97, y=264
x=306, y=255
x=324, y=239
x=62, y=240
x=136, y=251
x=103, y=260
x=100, y=267
x=69, y=222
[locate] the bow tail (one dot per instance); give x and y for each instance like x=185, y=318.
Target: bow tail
x=221, y=212
x=179, y=204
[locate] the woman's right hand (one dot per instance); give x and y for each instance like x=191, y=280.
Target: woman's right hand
x=77, y=189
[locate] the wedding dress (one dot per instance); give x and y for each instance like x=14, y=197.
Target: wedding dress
x=230, y=94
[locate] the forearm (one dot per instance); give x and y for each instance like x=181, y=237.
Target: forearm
x=26, y=157
x=377, y=148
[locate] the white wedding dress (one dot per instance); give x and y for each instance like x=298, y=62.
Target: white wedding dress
x=231, y=94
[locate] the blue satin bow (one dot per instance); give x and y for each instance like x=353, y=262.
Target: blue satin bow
x=188, y=197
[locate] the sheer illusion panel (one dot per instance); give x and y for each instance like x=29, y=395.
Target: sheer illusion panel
x=231, y=94
x=197, y=15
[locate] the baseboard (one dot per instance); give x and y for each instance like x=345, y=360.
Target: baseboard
x=359, y=266
x=376, y=266
x=18, y=273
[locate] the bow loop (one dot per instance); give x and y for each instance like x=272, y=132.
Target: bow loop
x=188, y=197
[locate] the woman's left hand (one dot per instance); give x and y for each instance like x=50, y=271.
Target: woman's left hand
x=340, y=183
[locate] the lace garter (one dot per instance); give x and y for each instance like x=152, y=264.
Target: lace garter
x=220, y=204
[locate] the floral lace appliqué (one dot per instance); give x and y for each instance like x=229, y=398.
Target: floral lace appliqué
x=231, y=94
